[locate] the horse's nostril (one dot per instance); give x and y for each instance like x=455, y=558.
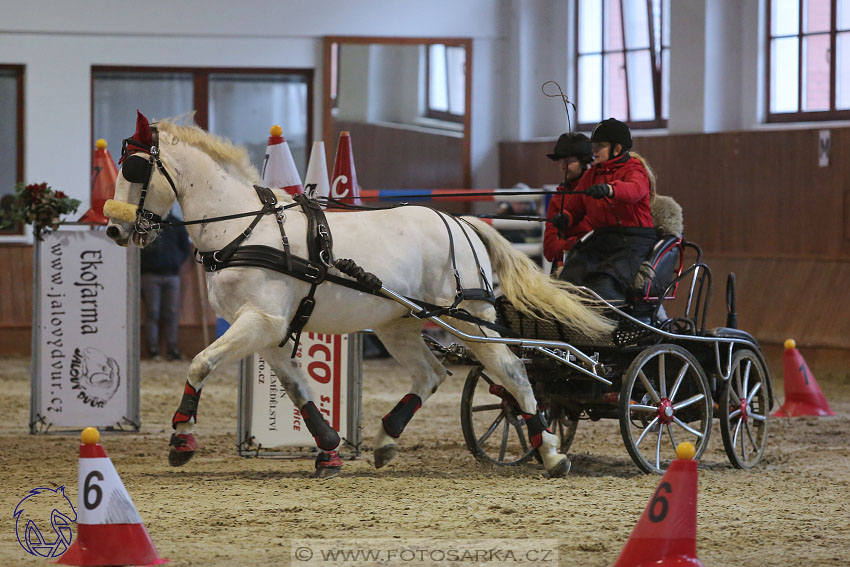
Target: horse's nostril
x=113, y=232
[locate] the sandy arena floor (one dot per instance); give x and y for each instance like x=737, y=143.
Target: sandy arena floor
x=223, y=510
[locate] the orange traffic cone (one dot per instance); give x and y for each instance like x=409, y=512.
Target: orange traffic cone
x=316, y=182
x=279, y=170
x=666, y=533
x=803, y=396
x=109, y=529
x=103, y=176
x=344, y=179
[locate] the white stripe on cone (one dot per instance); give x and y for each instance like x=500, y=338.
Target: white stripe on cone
x=279, y=171
x=316, y=183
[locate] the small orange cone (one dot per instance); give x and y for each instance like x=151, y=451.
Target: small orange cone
x=279, y=171
x=666, y=533
x=103, y=176
x=344, y=179
x=109, y=529
x=316, y=182
x=803, y=396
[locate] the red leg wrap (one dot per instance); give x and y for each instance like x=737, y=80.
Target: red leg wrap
x=188, y=406
x=401, y=414
x=536, y=424
x=329, y=459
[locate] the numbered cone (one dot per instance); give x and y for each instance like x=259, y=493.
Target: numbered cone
x=316, y=183
x=103, y=176
x=279, y=170
x=109, y=529
x=666, y=533
x=344, y=179
x=803, y=396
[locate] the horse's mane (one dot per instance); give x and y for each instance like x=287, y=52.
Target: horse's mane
x=219, y=149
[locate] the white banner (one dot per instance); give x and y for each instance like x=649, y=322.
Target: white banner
x=82, y=368
x=332, y=364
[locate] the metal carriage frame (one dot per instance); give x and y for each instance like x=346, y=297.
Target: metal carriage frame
x=664, y=383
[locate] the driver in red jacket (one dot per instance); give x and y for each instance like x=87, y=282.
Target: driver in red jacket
x=613, y=200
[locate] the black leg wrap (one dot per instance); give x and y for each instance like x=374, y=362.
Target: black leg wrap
x=326, y=437
x=188, y=406
x=537, y=424
x=401, y=414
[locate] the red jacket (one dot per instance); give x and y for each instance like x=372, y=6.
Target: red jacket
x=630, y=181
x=554, y=244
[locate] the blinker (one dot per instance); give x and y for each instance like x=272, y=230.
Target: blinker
x=136, y=169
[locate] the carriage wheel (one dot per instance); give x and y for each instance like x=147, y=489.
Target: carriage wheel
x=744, y=410
x=493, y=426
x=665, y=400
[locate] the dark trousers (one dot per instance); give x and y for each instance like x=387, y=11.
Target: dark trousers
x=161, y=294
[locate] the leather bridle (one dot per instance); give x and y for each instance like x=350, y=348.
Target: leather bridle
x=137, y=169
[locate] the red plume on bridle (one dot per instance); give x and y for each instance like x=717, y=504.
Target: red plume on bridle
x=142, y=140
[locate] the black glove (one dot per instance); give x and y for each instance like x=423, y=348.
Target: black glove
x=598, y=191
x=561, y=222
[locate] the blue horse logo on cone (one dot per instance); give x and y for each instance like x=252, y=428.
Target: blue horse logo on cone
x=30, y=536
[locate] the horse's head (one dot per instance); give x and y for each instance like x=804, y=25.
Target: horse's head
x=144, y=190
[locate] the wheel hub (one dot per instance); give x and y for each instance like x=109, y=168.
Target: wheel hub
x=744, y=415
x=665, y=411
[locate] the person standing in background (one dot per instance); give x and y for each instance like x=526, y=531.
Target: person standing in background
x=161, y=263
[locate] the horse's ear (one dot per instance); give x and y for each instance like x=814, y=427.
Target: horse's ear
x=143, y=129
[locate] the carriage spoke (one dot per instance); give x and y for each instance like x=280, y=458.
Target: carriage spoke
x=734, y=414
x=752, y=394
x=521, y=434
x=649, y=388
x=505, y=432
x=662, y=379
x=672, y=438
x=750, y=435
x=687, y=427
x=692, y=400
x=491, y=429
x=743, y=427
x=757, y=416
x=747, y=377
x=645, y=431
x=679, y=380
x=486, y=407
x=736, y=434
x=642, y=408
x=658, y=448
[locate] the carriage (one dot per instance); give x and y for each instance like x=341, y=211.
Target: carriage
x=663, y=377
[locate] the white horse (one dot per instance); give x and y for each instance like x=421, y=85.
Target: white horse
x=406, y=247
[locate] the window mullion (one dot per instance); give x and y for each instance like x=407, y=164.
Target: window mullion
x=626, y=62
x=833, y=74
x=653, y=58
x=800, y=57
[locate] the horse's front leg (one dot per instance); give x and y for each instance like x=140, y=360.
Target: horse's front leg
x=294, y=381
x=250, y=330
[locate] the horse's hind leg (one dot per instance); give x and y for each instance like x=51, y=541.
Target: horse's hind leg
x=403, y=340
x=250, y=330
x=328, y=462
x=507, y=369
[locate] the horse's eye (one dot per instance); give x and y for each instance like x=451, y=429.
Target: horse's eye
x=135, y=169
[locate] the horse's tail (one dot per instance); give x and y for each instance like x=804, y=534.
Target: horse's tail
x=530, y=290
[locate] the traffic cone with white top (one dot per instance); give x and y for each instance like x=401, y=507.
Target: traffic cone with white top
x=109, y=529
x=316, y=183
x=103, y=176
x=279, y=171
x=666, y=533
x=344, y=179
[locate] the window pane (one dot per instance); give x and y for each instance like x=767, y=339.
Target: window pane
x=637, y=23
x=438, y=89
x=457, y=79
x=665, y=23
x=842, y=71
x=8, y=131
x=613, y=26
x=242, y=108
x=590, y=88
x=665, y=84
x=589, y=26
x=784, y=17
x=816, y=72
x=818, y=15
x=843, y=15
x=641, y=95
x=615, y=87
x=784, y=65
x=117, y=95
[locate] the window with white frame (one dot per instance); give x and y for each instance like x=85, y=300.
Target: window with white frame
x=11, y=136
x=446, y=90
x=622, y=61
x=808, y=62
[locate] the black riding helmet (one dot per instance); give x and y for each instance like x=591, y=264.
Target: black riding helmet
x=573, y=144
x=612, y=131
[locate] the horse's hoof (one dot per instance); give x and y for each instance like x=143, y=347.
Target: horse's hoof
x=183, y=447
x=385, y=454
x=561, y=469
x=328, y=464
